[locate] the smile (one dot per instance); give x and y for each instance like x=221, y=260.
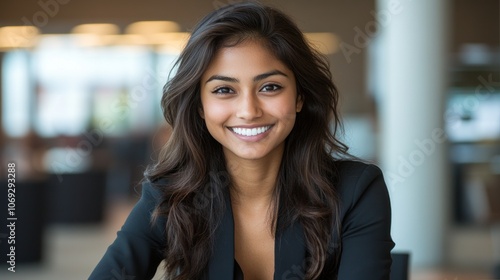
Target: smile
x=250, y=131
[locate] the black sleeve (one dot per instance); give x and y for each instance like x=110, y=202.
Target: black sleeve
x=366, y=225
x=136, y=251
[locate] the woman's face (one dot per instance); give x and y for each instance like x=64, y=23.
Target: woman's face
x=249, y=101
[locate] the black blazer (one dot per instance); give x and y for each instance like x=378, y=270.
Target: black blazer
x=366, y=240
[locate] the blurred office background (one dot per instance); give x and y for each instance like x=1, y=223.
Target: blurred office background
x=80, y=85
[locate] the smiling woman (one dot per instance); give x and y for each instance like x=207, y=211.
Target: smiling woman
x=249, y=110
x=253, y=183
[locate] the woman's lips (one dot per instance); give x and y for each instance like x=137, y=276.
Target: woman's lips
x=243, y=131
x=253, y=134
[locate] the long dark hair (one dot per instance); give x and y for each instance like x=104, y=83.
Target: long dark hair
x=192, y=164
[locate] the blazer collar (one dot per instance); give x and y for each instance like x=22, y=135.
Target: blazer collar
x=290, y=253
x=289, y=250
x=221, y=264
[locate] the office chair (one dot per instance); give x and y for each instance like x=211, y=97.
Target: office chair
x=399, y=268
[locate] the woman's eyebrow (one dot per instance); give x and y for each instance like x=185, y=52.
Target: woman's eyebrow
x=268, y=74
x=255, y=79
x=223, y=78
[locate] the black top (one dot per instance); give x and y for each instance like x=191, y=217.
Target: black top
x=365, y=239
x=238, y=273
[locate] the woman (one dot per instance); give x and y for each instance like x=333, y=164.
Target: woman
x=251, y=184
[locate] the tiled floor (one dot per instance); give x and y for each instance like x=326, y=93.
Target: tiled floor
x=437, y=275
x=72, y=253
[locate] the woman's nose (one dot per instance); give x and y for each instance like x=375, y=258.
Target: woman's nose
x=248, y=107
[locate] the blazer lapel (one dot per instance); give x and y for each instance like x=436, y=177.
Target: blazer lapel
x=221, y=264
x=290, y=253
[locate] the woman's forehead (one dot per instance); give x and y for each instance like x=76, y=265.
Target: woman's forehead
x=250, y=57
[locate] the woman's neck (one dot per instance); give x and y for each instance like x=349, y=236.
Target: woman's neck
x=254, y=181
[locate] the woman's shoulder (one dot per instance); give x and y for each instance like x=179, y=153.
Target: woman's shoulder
x=347, y=170
x=151, y=198
x=355, y=179
x=152, y=190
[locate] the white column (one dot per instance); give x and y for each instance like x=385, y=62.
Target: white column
x=413, y=60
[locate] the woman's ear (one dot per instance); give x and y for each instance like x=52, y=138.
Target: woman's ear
x=300, y=103
x=200, y=111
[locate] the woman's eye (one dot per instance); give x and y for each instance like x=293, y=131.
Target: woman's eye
x=223, y=90
x=271, y=87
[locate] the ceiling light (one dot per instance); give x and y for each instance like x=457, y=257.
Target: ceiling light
x=96, y=28
x=324, y=42
x=152, y=27
x=18, y=36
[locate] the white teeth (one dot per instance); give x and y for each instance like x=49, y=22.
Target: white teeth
x=250, y=131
